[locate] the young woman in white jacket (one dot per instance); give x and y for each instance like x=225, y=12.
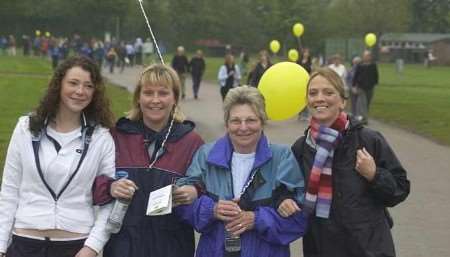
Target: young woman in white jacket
x=53, y=157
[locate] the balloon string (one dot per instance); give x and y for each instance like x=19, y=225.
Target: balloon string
x=151, y=31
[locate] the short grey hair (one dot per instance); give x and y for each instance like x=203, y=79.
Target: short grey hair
x=245, y=95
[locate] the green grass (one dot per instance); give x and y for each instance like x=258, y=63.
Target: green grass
x=25, y=65
x=120, y=100
x=19, y=95
x=417, y=100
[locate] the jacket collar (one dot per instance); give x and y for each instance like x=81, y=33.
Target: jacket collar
x=222, y=151
x=128, y=126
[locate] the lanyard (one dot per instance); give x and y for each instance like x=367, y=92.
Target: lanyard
x=248, y=183
x=86, y=138
x=156, y=153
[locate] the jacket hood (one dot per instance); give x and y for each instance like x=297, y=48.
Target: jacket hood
x=179, y=129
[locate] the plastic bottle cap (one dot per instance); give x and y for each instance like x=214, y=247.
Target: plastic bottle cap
x=121, y=174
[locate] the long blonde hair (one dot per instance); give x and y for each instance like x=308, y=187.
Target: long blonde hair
x=157, y=74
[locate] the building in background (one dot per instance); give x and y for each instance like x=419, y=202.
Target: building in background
x=416, y=48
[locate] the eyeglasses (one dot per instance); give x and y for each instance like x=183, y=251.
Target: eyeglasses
x=248, y=121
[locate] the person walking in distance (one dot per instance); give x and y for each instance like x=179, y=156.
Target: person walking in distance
x=180, y=64
x=197, y=66
x=229, y=75
x=364, y=82
x=261, y=67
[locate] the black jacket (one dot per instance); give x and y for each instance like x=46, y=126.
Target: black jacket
x=359, y=224
x=257, y=74
x=366, y=76
x=197, y=66
x=180, y=64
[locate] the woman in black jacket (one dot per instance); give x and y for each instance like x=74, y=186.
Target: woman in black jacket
x=261, y=67
x=352, y=176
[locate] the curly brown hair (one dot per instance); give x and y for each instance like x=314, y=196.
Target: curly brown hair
x=98, y=111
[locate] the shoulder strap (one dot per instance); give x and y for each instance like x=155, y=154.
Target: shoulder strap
x=86, y=138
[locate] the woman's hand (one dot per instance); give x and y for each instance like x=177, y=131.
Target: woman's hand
x=123, y=189
x=226, y=210
x=243, y=222
x=184, y=195
x=287, y=208
x=365, y=164
x=86, y=252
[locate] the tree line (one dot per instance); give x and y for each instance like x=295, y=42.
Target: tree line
x=244, y=23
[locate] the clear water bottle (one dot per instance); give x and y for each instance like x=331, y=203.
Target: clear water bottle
x=232, y=243
x=119, y=210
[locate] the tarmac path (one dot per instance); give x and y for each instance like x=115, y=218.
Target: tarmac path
x=422, y=222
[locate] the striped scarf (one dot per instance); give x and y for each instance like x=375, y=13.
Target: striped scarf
x=320, y=191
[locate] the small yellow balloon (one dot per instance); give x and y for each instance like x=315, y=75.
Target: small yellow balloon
x=37, y=33
x=293, y=55
x=274, y=46
x=370, y=39
x=47, y=34
x=283, y=86
x=298, y=29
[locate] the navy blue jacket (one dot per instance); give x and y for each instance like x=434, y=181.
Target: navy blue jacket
x=152, y=236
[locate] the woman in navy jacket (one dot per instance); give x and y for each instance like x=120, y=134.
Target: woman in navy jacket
x=155, y=145
x=353, y=176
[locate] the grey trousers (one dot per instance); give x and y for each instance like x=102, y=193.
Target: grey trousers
x=363, y=102
x=182, y=77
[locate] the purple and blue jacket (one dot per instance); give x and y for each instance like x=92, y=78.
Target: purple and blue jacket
x=275, y=176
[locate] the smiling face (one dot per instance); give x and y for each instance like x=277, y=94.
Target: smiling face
x=244, y=128
x=77, y=91
x=324, y=100
x=156, y=103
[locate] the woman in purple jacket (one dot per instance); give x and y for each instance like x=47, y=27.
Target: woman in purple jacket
x=244, y=177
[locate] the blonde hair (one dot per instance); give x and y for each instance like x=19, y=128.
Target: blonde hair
x=245, y=95
x=332, y=77
x=157, y=74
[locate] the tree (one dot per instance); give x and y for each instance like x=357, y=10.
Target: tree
x=378, y=16
x=430, y=16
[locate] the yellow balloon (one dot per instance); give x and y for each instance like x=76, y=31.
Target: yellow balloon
x=298, y=29
x=47, y=34
x=274, y=46
x=370, y=39
x=284, y=88
x=38, y=33
x=293, y=55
